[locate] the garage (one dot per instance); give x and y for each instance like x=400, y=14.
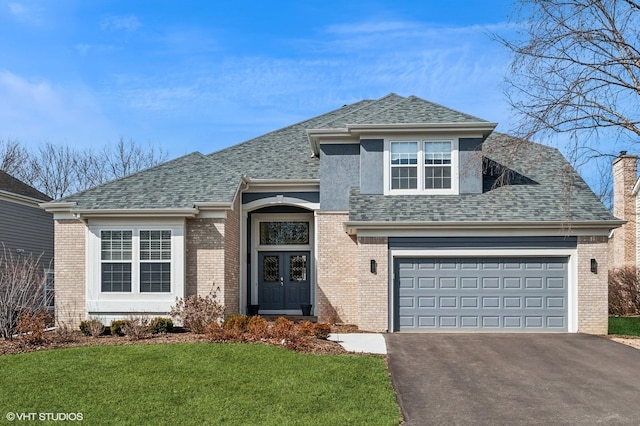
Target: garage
x=496, y=294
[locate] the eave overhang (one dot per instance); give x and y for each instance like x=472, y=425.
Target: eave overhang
x=351, y=131
x=71, y=210
x=352, y=227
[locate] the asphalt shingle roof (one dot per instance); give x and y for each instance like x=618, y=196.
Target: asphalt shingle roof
x=547, y=188
x=175, y=184
x=15, y=186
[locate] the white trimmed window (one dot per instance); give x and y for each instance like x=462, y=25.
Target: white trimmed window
x=125, y=252
x=155, y=261
x=115, y=254
x=421, y=166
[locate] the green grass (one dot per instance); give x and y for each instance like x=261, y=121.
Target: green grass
x=625, y=326
x=199, y=384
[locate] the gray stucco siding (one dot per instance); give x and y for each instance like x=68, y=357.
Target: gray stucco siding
x=372, y=166
x=27, y=228
x=339, y=172
x=470, y=165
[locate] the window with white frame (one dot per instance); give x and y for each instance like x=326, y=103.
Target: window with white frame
x=145, y=252
x=155, y=261
x=421, y=165
x=437, y=165
x=116, y=257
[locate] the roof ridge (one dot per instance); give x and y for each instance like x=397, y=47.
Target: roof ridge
x=403, y=99
x=74, y=195
x=371, y=103
x=283, y=128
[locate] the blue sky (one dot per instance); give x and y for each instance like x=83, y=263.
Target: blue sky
x=200, y=76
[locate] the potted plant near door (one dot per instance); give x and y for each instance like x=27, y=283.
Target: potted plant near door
x=306, y=310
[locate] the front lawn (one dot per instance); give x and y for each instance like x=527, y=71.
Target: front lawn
x=624, y=326
x=199, y=383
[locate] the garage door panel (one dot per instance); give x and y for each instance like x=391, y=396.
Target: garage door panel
x=508, y=294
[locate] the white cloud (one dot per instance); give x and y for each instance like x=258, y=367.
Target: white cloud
x=37, y=111
x=27, y=15
x=127, y=23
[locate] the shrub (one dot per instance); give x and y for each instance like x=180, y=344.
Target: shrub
x=21, y=289
x=136, y=327
x=92, y=327
x=322, y=330
x=307, y=328
x=160, y=325
x=236, y=322
x=283, y=328
x=215, y=332
x=258, y=328
x=197, y=312
x=624, y=291
x=32, y=325
x=116, y=327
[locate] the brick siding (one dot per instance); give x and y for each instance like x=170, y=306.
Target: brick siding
x=337, y=280
x=623, y=243
x=205, y=252
x=70, y=272
x=592, y=288
x=232, y=259
x=373, y=295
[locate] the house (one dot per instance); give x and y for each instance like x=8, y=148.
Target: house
x=626, y=185
x=26, y=229
x=393, y=214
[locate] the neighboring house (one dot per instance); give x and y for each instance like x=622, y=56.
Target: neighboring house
x=26, y=229
x=626, y=185
x=389, y=214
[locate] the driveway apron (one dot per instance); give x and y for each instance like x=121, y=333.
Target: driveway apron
x=514, y=379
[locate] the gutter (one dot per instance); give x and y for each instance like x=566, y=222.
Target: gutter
x=351, y=227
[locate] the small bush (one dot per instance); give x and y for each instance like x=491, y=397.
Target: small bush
x=160, y=325
x=197, y=312
x=136, y=328
x=258, y=328
x=92, y=327
x=624, y=291
x=215, y=332
x=283, y=328
x=32, y=325
x=236, y=322
x=116, y=327
x=322, y=330
x=307, y=328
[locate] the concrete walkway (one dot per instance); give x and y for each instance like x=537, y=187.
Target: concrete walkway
x=372, y=343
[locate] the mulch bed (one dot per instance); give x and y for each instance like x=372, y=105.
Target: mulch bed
x=52, y=341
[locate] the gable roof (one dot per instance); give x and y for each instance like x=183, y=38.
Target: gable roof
x=537, y=195
x=15, y=186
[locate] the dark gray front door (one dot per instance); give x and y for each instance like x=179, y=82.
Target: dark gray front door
x=283, y=280
x=497, y=294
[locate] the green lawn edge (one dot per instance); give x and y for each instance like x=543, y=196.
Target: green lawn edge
x=200, y=383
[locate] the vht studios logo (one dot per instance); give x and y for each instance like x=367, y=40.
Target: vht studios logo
x=51, y=417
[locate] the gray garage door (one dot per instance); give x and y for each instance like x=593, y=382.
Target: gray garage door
x=487, y=294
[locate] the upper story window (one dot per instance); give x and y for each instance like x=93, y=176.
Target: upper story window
x=416, y=166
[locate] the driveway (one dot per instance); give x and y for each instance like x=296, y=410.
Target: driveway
x=512, y=379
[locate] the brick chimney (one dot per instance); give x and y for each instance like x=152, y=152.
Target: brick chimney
x=625, y=175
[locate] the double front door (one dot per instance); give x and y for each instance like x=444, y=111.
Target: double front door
x=283, y=280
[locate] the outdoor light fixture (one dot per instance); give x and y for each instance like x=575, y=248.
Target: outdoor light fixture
x=374, y=266
x=594, y=266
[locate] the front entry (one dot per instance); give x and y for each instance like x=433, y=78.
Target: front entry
x=283, y=280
